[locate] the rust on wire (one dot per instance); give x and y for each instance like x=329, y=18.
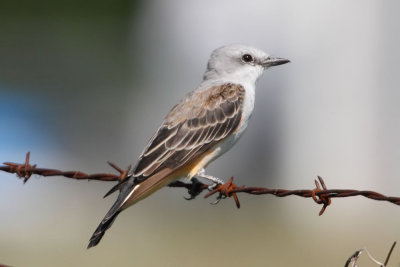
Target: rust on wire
x=321, y=195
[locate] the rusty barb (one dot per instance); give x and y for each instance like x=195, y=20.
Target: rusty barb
x=320, y=194
x=226, y=190
x=24, y=170
x=321, y=198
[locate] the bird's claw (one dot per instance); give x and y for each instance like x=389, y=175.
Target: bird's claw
x=219, y=197
x=216, y=201
x=189, y=198
x=195, y=190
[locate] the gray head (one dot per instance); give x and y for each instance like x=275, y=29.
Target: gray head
x=240, y=63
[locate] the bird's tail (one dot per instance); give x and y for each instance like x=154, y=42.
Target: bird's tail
x=130, y=193
x=111, y=214
x=102, y=228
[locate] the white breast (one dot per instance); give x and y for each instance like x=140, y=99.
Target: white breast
x=248, y=107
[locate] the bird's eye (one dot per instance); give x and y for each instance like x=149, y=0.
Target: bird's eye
x=247, y=58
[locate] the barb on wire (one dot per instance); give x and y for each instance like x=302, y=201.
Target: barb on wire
x=321, y=195
x=352, y=261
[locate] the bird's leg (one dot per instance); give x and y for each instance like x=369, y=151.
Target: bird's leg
x=216, y=181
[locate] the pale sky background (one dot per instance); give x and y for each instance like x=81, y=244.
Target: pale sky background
x=83, y=83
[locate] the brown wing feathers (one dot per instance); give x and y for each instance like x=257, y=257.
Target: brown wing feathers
x=192, y=127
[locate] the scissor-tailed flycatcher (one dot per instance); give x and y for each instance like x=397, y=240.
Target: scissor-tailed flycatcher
x=200, y=128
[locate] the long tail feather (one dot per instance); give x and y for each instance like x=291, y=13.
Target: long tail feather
x=112, y=213
x=101, y=229
x=130, y=193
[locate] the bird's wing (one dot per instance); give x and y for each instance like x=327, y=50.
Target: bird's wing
x=196, y=124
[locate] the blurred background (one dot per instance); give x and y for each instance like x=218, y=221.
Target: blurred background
x=83, y=82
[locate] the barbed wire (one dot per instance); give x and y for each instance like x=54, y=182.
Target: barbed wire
x=320, y=194
x=352, y=261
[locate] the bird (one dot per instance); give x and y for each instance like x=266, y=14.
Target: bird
x=205, y=124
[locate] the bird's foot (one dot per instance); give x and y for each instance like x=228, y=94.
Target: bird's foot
x=195, y=189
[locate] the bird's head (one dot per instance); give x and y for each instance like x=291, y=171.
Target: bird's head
x=239, y=62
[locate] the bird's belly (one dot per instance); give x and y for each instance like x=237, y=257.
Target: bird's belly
x=228, y=143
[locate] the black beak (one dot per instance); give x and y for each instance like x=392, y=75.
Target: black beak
x=274, y=61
